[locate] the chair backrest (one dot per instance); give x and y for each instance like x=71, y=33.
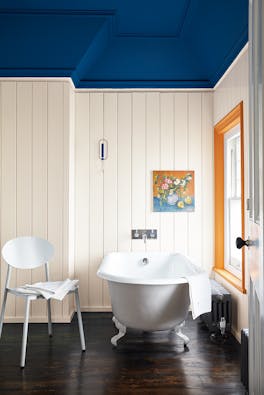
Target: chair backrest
x=27, y=252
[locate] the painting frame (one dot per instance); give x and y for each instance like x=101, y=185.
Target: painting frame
x=173, y=190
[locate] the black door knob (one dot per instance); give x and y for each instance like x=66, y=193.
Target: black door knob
x=241, y=243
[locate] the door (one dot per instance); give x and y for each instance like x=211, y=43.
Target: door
x=256, y=163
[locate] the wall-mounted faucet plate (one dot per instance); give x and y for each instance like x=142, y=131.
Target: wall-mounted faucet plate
x=139, y=233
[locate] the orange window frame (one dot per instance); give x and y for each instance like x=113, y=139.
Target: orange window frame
x=235, y=117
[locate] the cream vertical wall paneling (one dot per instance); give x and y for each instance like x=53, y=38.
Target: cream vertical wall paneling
x=71, y=181
x=82, y=198
x=55, y=182
x=233, y=88
x=152, y=159
x=8, y=179
x=96, y=200
x=67, y=204
x=39, y=177
x=138, y=171
x=24, y=175
x=181, y=156
x=146, y=131
x=167, y=162
x=207, y=174
x=195, y=163
x=110, y=188
x=124, y=158
x=35, y=127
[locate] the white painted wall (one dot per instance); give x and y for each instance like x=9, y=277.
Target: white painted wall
x=75, y=202
x=36, y=127
x=53, y=184
x=233, y=88
x=146, y=131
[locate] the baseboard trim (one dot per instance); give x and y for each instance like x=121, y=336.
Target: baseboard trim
x=236, y=334
x=56, y=319
x=41, y=319
x=94, y=309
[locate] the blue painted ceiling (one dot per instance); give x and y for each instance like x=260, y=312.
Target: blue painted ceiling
x=122, y=43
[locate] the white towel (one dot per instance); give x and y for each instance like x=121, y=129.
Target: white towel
x=53, y=289
x=200, y=294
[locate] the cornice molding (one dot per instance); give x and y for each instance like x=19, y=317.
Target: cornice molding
x=83, y=90
x=232, y=65
x=145, y=84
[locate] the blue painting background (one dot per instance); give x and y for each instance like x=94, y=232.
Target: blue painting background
x=168, y=208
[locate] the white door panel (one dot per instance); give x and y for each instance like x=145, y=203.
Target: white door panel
x=256, y=309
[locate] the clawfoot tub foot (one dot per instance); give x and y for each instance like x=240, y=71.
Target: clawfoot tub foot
x=178, y=331
x=182, y=336
x=122, y=331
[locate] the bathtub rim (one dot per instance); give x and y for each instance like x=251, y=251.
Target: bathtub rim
x=144, y=280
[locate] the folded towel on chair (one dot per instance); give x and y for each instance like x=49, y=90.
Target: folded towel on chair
x=53, y=289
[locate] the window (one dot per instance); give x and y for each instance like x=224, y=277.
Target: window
x=232, y=201
x=229, y=197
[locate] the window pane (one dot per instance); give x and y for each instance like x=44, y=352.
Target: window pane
x=235, y=255
x=232, y=203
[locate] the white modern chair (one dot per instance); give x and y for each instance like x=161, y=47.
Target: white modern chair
x=30, y=253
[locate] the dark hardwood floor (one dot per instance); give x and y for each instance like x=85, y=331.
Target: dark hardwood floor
x=141, y=364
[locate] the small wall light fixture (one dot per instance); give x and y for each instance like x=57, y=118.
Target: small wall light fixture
x=103, y=149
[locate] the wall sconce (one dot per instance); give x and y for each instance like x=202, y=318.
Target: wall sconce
x=103, y=149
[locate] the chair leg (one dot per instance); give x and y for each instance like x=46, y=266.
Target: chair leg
x=79, y=315
x=3, y=312
x=25, y=333
x=49, y=319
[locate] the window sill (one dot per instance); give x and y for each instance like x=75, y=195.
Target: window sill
x=233, y=280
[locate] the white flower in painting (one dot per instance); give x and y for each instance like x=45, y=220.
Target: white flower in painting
x=183, y=183
x=189, y=177
x=177, y=181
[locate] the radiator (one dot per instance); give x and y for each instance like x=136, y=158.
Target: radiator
x=221, y=308
x=244, y=357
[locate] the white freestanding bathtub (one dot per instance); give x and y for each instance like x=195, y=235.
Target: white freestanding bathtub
x=148, y=290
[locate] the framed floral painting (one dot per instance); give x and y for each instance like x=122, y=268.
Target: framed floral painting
x=173, y=190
